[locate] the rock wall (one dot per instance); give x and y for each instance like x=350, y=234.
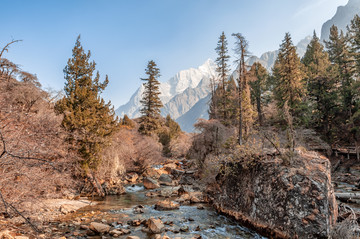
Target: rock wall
x=280, y=201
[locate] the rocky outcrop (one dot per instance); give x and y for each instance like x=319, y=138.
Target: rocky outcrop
x=342, y=18
x=282, y=201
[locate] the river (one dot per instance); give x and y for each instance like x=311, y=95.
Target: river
x=193, y=220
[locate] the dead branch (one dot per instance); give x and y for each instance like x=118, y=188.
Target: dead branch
x=272, y=143
x=6, y=47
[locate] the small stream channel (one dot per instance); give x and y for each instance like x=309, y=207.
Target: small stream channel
x=186, y=222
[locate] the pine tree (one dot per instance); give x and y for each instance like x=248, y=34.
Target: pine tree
x=223, y=70
x=151, y=102
x=246, y=114
x=354, y=39
x=339, y=53
x=88, y=119
x=321, y=85
x=287, y=76
x=258, y=86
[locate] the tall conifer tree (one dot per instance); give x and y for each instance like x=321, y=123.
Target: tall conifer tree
x=339, y=53
x=88, y=119
x=258, y=85
x=150, y=101
x=223, y=70
x=288, y=76
x=321, y=85
x=246, y=114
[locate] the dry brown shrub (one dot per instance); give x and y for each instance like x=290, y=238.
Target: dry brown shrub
x=211, y=140
x=36, y=163
x=129, y=151
x=181, y=145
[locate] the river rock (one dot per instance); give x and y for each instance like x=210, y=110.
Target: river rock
x=115, y=233
x=176, y=173
x=132, y=177
x=150, y=183
x=162, y=237
x=188, y=178
x=197, y=197
x=138, y=209
x=99, y=227
x=155, y=225
x=67, y=208
x=151, y=173
x=166, y=205
x=165, y=179
x=132, y=237
x=281, y=200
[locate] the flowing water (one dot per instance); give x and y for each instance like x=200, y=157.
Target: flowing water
x=203, y=221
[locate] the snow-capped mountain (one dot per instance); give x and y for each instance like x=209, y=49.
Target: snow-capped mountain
x=342, y=18
x=178, y=94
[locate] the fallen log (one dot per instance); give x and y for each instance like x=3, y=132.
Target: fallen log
x=336, y=165
x=347, y=196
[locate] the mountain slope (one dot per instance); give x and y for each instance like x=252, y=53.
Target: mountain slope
x=183, y=102
x=198, y=111
x=342, y=18
x=177, y=85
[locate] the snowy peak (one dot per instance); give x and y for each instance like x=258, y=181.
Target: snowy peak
x=185, y=79
x=179, y=86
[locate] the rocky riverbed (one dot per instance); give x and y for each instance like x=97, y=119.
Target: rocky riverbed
x=163, y=202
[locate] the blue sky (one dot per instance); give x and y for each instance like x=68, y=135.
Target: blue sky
x=123, y=35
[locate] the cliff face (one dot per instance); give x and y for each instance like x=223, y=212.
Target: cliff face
x=295, y=201
x=342, y=18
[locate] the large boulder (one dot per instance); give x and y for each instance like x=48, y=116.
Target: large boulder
x=165, y=179
x=99, y=227
x=281, y=200
x=155, y=226
x=150, y=183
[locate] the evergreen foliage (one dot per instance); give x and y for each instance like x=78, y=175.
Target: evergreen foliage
x=88, y=120
x=288, y=77
x=149, y=121
x=258, y=86
x=167, y=133
x=223, y=70
x=339, y=53
x=321, y=85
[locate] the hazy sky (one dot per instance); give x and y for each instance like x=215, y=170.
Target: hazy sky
x=123, y=35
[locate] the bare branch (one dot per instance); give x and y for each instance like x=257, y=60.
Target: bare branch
x=6, y=48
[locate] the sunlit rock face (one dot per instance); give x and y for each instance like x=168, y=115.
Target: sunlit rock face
x=342, y=18
x=296, y=201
